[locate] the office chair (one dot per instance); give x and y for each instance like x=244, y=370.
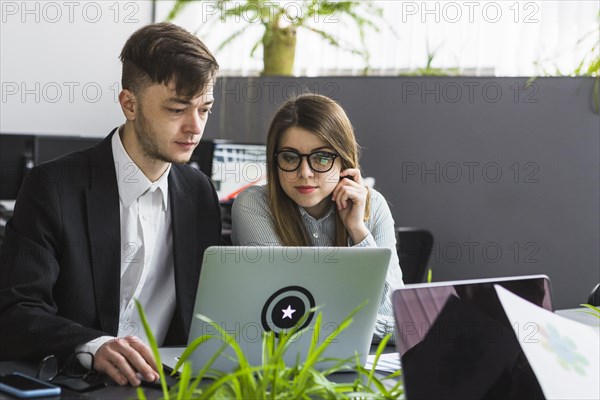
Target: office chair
x=594, y=297
x=226, y=222
x=414, y=247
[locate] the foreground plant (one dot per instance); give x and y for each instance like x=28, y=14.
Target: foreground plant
x=595, y=310
x=274, y=379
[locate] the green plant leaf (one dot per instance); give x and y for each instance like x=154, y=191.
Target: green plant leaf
x=204, y=372
x=595, y=310
x=228, y=339
x=530, y=82
x=184, y=381
x=179, y=6
x=333, y=41
x=189, y=350
x=154, y=348
x=273, y=379
x=140, y=394
x=232, y=37
x=378, y=353
x=364, y=14
x=314, y=355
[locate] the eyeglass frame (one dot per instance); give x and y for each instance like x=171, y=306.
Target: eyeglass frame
x=307, y=156
x=60, y=371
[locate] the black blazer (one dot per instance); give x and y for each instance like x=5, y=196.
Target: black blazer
x=60, y=265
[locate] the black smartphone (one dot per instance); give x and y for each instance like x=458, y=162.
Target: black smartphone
x=21, y=385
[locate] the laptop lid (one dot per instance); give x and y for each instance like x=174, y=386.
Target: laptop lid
x=455, y=340
x=250, y=290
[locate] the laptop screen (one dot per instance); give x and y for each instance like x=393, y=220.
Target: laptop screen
x=237, y=166
x=455, y=340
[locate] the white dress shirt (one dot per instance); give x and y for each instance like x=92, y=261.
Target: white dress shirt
x=147, y=268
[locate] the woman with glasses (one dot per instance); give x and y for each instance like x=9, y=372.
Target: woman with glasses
x=315, y=194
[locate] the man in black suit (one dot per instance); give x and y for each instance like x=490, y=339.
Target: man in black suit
x=124, y=220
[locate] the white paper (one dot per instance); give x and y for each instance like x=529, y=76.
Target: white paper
x=388, y=362
x=564, y=354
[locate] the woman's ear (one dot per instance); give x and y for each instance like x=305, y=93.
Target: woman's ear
x=128, y=103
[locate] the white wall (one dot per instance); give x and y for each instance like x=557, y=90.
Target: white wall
x=59, y=66
x=482, y=38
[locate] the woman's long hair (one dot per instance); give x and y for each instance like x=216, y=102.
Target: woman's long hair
x=326, y=119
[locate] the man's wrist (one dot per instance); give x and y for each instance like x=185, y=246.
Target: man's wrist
x=93, y=345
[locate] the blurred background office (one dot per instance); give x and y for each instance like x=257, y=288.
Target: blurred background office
x=478, y=120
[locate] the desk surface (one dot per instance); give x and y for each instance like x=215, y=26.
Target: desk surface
x=113, y=391
x=128, y=392
x=580, y=315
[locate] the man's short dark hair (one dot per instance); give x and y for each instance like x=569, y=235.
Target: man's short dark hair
x=163, y=52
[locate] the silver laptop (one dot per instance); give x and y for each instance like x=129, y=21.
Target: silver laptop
x=251, y=290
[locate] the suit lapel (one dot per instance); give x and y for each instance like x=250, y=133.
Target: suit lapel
x=104, y=230
x=185, y=243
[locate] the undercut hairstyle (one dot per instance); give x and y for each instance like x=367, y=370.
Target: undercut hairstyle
x=162, y=53
x=325, y=118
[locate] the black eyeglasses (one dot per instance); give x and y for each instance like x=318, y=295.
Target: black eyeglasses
x=77, y=373
x=318, y=161
x=77, y=365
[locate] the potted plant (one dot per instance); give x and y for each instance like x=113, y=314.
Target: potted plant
x=281, y=22
x=273, y=378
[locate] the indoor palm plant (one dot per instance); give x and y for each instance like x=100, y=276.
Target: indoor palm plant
x=281, y=22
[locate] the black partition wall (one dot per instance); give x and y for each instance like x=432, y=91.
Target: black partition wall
x=505, y=176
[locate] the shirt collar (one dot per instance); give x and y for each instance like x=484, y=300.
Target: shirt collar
x=305, y=214
x=131, y=181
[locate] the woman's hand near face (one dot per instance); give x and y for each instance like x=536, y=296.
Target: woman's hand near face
x=350, y=196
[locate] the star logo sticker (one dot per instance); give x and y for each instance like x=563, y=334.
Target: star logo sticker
x=285, y=308
x=287, y=312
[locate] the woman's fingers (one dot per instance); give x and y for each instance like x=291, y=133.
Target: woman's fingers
x=348, y=177
x=353, y=174
x=349, y=193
